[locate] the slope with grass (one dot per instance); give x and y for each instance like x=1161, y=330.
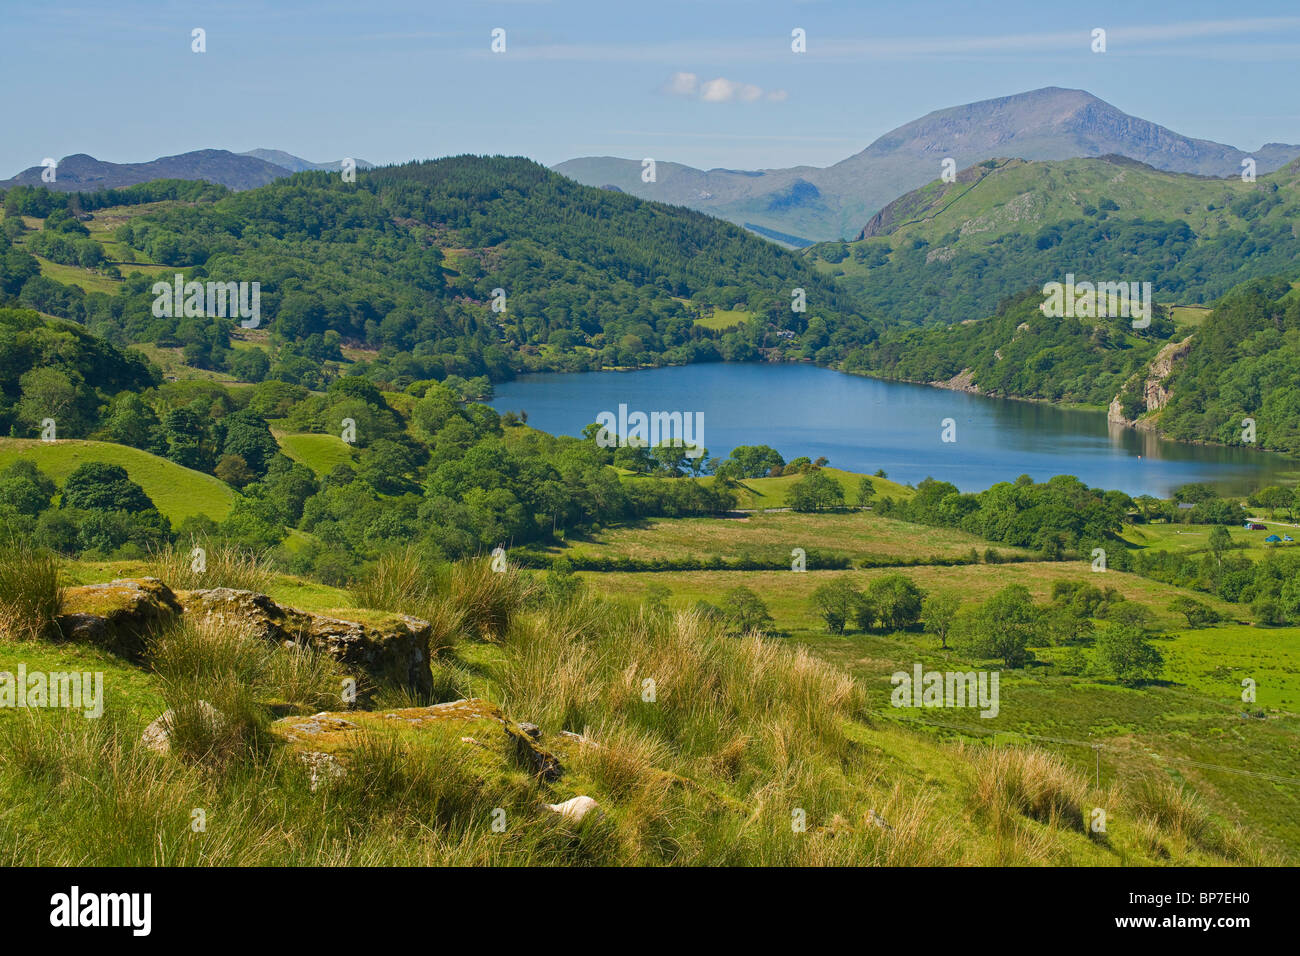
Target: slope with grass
x=741, y=738
x=321, y=453
x=1194, y=716
x=758, y=493
x=788, y=593
x=177, y=491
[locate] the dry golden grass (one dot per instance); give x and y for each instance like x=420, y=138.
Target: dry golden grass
x=184, y=568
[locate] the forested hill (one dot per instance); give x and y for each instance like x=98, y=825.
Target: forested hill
x=1241, y=361
x=407, y=260
x=1020, y=352
x=951, y=251
x=1244, y=362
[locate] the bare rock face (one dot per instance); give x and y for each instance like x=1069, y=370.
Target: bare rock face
x=118, y=616
x=1115, y=413
x=963, y=381
x=1155, y=394
x=385, y=648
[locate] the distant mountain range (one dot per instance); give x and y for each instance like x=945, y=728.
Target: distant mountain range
x=83, y=173
x=814, y=203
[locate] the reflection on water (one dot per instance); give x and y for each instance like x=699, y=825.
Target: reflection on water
x=863, y=424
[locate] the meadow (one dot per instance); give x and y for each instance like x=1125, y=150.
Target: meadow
x=772, y=536
x=1190, y=722
x=321, y=453
x=177, y=491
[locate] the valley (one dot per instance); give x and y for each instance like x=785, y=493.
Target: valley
x=377, y=565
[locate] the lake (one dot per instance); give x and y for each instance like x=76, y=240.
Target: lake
x=863, y=424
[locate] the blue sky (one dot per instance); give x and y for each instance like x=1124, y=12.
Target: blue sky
x=395, y=81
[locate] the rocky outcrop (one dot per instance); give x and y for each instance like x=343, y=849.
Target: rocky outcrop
x=391, y=649
x=1155, y=394
x=473, y=722
x=262, y=615
x=530, y=755
x=963, y=381
x=119, y=616
x=1115, y=413
x=384, y=648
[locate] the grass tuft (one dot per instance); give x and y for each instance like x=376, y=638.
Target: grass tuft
x=30, y=593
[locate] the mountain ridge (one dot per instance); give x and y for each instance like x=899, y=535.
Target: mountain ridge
x=81, y=172
x=1048, y=123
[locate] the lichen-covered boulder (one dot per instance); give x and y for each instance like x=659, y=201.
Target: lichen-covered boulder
x=389, y=648
x=118, y=616
x=475, y=723
x=260, y=613
x=381, y=647
x=323, y=768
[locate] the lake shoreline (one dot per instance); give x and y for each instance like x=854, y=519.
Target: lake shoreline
x=862, y=422
x=943, y=385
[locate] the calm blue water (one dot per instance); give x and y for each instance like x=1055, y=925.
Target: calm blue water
x=862, y=424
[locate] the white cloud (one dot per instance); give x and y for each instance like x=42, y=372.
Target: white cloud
x=718, y=90
x=683, y=84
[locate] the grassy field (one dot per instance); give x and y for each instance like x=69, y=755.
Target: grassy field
x=1189, y=316
x=772, y=492
x=321, y=453
x=725, y=319
x=88, y=279
x=127, y=688
x=177, y=491
x=1173, y=729
x=1186, y=727
x=721, y=318
x=859, y=535
x=1196, y=537
x=1215, y=660
x=788, y=593
x=172, y=363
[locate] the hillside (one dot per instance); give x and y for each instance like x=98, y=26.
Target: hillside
x=951, y=251
x=1192, y=382
x=178, y=492
x=1243, y=362
x=296, y=164
x=834, y=202
x=741, y=749
x=1019, y=352
x=410, y=256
